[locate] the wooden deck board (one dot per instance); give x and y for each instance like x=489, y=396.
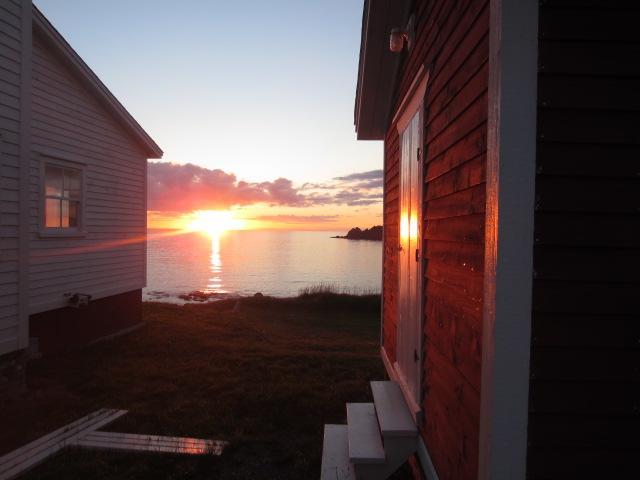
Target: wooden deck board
x=151, y=443
x=83, y=433
x=28, y=456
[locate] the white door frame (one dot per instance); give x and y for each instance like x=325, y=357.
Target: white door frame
x=412, y=103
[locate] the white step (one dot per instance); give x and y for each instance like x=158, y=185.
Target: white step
x=394, y=417
x=365, y=443
x=335, y=454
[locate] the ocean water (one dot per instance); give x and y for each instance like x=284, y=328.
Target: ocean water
x=277, y=263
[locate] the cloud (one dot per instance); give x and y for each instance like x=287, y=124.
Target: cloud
x=370, y=175
x=183, y=188
x=356, y=189
x=357, y=197
x=174, y=187
x=373, y=183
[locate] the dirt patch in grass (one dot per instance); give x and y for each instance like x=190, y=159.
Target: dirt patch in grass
x=265, y=374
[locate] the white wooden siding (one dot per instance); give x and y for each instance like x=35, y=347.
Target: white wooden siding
x=69, y=123
x=10, y=107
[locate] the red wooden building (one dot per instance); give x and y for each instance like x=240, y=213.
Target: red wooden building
x=512, y=240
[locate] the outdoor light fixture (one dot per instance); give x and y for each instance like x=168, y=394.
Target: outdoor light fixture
x=78, y=300
x=399, y=37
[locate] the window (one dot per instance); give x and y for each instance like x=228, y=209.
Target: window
x=62, y=197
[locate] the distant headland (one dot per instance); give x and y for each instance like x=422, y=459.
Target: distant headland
x=373, y=233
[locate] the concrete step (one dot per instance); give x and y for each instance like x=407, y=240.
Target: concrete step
x=363, y=432
x=335, y=454
x=394, y=417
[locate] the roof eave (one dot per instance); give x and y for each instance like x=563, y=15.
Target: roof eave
x=378, y=67
x=52, y=37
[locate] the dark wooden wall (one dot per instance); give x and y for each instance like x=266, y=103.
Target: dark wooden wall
x=391, y=214
x=452, y=41
x=71, y=328
x=585, y=395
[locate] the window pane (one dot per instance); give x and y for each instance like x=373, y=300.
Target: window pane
x=74, y=213
x=72, y=194
x=72, y=183
x=66, y=183
x=53, y=180
x=52, y=213
x=65, y=213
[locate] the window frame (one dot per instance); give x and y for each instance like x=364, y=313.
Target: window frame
x=78, y=231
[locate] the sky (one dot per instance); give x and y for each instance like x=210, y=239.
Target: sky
x=252, y=103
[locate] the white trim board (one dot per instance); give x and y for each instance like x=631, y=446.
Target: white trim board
x=387, y=365
x=425, y=461
x=413, y=99
x=24, y=185
x=11, y=321
x=506, y=328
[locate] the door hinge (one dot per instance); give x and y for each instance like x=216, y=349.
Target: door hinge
x=418, y=156
x=417, y=254
x=415, y=355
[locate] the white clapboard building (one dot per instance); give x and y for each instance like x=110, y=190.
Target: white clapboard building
x=73, y=189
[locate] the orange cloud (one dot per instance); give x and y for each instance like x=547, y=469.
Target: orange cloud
x=184, y=188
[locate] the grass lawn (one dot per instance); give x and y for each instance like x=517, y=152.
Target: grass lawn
x=265, y=374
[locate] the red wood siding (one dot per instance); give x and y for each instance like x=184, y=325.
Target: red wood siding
x=391, y=241
x=585, y=390
x=69, y=328
x=452, y=42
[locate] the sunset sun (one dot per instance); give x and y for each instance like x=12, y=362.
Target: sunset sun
x=214, y=222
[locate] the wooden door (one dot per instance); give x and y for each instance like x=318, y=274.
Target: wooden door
x=409, y=337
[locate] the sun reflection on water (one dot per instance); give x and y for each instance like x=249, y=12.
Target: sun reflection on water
x=215, y=279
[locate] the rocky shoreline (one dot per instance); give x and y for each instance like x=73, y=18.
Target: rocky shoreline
x=374, y=233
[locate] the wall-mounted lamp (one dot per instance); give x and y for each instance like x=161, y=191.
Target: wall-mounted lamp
x=399, y=37
x=78, y=300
